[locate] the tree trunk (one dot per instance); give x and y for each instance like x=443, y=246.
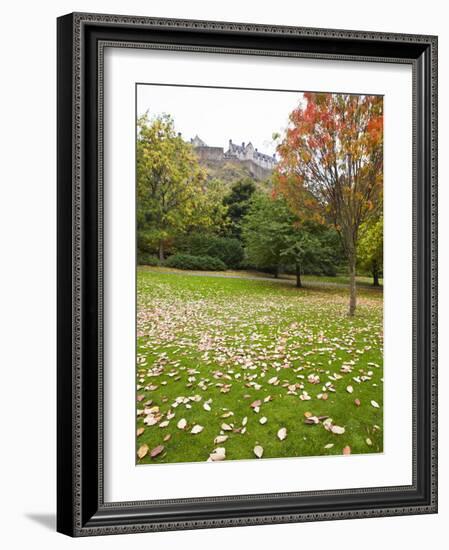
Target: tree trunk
x=376, y=278
x=276, y=272
x=298, y=276
x=352, y=286
x=161, y=250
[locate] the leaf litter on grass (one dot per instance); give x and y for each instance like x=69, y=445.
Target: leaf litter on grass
x=212, y=351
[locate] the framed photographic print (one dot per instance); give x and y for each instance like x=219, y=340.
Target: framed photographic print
x=246, y=274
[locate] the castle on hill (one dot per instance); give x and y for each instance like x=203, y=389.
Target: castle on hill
x=259, y=164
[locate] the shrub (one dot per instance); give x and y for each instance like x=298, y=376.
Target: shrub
x=144, y=258
x=228, y=250
x=200, y=263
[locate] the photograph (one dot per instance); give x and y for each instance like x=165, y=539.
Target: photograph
x=259, y=277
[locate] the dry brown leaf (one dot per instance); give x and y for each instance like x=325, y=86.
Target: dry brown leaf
x=157, y=451
x=143, y=450
x=197, y=429
x=182, y=424
x=282, y=433
x=347, y=450
x=338, y=430
x=218, y=454
x=150, y=420
x=140, y=431
x=258, y=451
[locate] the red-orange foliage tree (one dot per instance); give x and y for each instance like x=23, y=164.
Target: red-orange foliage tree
x=331, y=165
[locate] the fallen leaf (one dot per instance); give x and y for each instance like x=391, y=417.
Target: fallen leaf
x=258, y=451
x=182, y=424
x=347, y=450
x=226, y=427
x=308, y=414
x=368, y=441
x=256, y=404
x=218, y=454
x=329, y=446
x=157, y=451
x=312, y=420
x=167, y=437
x=164, y=424
x=140, y=431
x=143, y=451
x=349, y=389
x=282, y=433
x=375, y=404
x=244, y=421
x=196, y=429
x=206, y=406
x=327, y=424
x=220, y=439
x=357, y=402
x=337, y=430
x=263, y=420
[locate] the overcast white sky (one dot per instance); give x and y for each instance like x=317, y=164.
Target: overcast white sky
x=218, y=115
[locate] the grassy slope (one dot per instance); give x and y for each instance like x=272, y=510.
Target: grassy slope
x=208, y=331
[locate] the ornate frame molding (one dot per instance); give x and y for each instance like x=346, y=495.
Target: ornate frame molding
x=81, y=509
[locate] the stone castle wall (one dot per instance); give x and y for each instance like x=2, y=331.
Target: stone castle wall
x=210, y=153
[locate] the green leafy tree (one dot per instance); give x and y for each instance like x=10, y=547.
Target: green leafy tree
x=264, y=229
x=274, y=237
x=370, y=249
x=300, y=247
x=170, y=184
x=237, y=203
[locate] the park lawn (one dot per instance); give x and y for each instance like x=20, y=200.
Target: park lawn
x=311, y=279
x=231, y=342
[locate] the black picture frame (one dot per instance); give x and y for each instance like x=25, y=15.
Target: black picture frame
x=81, y=509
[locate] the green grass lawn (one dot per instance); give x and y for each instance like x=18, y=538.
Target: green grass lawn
x=209, y=349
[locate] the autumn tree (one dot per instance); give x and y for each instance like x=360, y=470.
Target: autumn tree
x=170, y=184
x=370, y=249
x=331, y=165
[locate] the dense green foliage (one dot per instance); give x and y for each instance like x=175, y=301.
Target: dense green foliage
x=188, y=261
x=238, y=204
x=227, y=249
x=144, y=258
x=370, y=250
x=275, y=239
